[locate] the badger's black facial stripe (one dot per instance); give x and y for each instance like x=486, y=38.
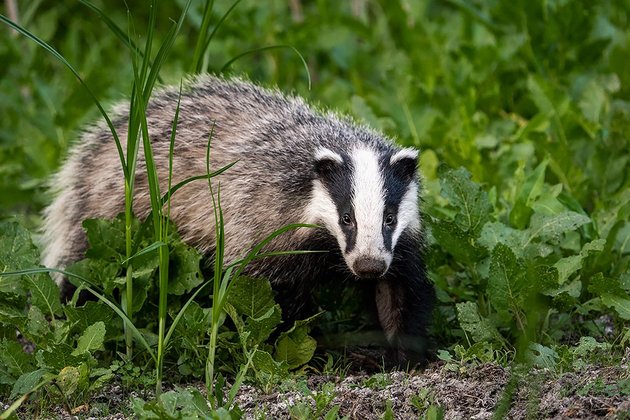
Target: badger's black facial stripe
x=396, y=177
x=337, y=179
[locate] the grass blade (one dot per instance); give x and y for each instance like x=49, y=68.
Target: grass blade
x=271, y=47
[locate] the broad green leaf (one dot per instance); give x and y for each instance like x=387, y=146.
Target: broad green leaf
x=542, y=279
x=27, y=383
x=14, y=361
x=37, y=325
x=494, y=233
x=263, y=362
x=593, y=100
x=72, y=378
x=106, y=238
x=82, y=317
x=569, y=265
x=99, y=272
x=92, y=339
x=57, y=357
x=548, y=203
x=507, y=283
x=480, y=329
x=262, y=327
x=295, y=346
x=44, y=294
x=184, y=271
x=195, y=320
x=550, y=228
x=621, y=304
x=13, y=310
x=601, y=285
x=251, y=297
x=457, y=242
x=542, y=356
x=525, y=196
x=468, y=197
x=17, y=252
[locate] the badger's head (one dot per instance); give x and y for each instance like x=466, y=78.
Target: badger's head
x=366, y=199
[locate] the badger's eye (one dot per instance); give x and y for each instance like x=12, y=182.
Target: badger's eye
x=346, y=219
x=390, y=220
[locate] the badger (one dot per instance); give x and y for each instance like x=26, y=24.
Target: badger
x=294, y=164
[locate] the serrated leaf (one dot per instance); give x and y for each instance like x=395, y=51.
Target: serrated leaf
x=457, y=242
x=494, y=233
x=251, y=297
x=92, y=339
x=506, y=283
x=550, y=228
x=27, y=383
x=468, y=197
x=480, y=329
x=13, y=359
x=37, y=325
x=262, y=327
x=542, y=356
x=106, y=238
x=57, y=357
x=263, y=361
x=44, y=294
x=80, y=318
x=100, y=272
x=184, y=271
x=295, y=347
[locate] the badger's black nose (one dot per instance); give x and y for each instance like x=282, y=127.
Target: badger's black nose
x=369, y=268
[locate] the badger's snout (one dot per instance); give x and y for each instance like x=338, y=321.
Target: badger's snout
x=368, y=267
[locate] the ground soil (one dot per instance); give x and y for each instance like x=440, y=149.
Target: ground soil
x=462, y=392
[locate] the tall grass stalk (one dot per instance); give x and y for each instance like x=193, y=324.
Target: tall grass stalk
x=145, y=77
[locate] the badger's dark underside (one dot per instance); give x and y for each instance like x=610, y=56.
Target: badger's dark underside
x=402, y=299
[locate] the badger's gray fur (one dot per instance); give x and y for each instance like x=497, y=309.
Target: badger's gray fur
x=295, y=165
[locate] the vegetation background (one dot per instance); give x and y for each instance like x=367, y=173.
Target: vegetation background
x=521, y=110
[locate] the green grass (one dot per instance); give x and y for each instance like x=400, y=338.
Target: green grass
x=520, y=110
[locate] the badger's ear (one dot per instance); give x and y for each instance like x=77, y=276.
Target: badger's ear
x=327, y=162
x=405, y=163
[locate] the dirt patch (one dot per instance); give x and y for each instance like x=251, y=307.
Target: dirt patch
x=471, y=392
x=474, y=393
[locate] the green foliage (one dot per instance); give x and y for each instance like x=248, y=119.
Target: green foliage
x=316, y=404
x=74, y=352
x=528, y=246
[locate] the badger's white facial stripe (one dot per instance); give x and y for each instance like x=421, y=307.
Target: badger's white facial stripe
x=322, y=210
x=327, y=154
x=407, y=153
x=408, y=214
x=368, y=202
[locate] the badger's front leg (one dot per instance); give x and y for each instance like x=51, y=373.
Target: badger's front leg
x=404, y=299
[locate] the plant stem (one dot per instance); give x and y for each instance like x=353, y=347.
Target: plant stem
x=127, y=298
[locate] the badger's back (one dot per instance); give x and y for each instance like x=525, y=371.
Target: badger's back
x=272, y=137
